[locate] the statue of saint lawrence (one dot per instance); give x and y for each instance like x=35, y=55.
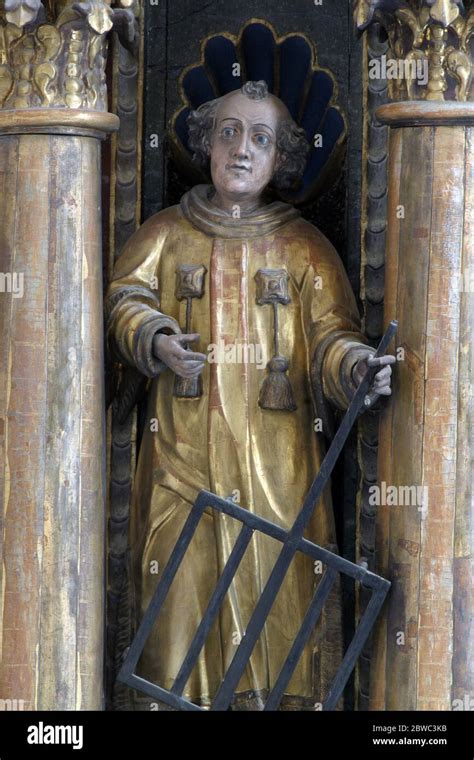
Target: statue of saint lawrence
x=264, y=301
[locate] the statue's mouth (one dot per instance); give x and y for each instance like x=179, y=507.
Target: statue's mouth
x=239, y=168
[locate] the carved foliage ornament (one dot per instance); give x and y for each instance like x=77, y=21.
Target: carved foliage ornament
x=430, y=46
x=53, y=54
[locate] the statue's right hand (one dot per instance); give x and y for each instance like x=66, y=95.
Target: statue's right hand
x=171, y=349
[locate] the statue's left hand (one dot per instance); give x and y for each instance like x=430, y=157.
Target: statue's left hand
x=381, y=384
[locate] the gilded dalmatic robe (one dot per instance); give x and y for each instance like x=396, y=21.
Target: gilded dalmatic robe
x=224, y=441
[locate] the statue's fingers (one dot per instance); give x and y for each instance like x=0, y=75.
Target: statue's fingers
x=189, y=374
x=183, y=354
x=383, y=391
x=192, y=365
x=380, y=361
x=188, y=338
x=383, y=375
x=197, y=370
x=193, y=356
x=183, y=372
x=188, y=369
x=373, y=361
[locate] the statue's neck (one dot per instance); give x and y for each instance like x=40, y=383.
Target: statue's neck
x=232, y=206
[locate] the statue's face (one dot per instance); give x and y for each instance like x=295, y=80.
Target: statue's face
x=244, y=152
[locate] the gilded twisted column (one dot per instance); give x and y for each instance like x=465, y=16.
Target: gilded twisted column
x=53, y=116
x=423, y=655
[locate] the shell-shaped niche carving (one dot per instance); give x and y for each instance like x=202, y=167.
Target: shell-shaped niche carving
x=289, y=67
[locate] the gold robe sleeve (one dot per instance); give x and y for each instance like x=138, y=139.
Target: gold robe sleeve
x=333, y=328
x=132, y=305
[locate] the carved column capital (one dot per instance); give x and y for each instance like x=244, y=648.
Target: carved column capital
x=430, y=47
x=53, y=53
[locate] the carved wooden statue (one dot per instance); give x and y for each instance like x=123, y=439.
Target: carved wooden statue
x=205, y=274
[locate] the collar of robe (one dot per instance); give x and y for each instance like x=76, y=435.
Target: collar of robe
x=198, y=208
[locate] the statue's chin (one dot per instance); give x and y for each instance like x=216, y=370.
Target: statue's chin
x=237, y=183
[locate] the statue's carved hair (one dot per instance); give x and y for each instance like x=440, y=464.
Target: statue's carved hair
x=255, y=90
x=292, y=145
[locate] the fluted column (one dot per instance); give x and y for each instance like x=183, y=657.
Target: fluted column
x=52, y=119
x=423, y=656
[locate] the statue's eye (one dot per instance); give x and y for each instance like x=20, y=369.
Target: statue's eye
x=228, y=132
x=262, y=140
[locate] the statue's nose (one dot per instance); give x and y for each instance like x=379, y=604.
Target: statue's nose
x=241, y=150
